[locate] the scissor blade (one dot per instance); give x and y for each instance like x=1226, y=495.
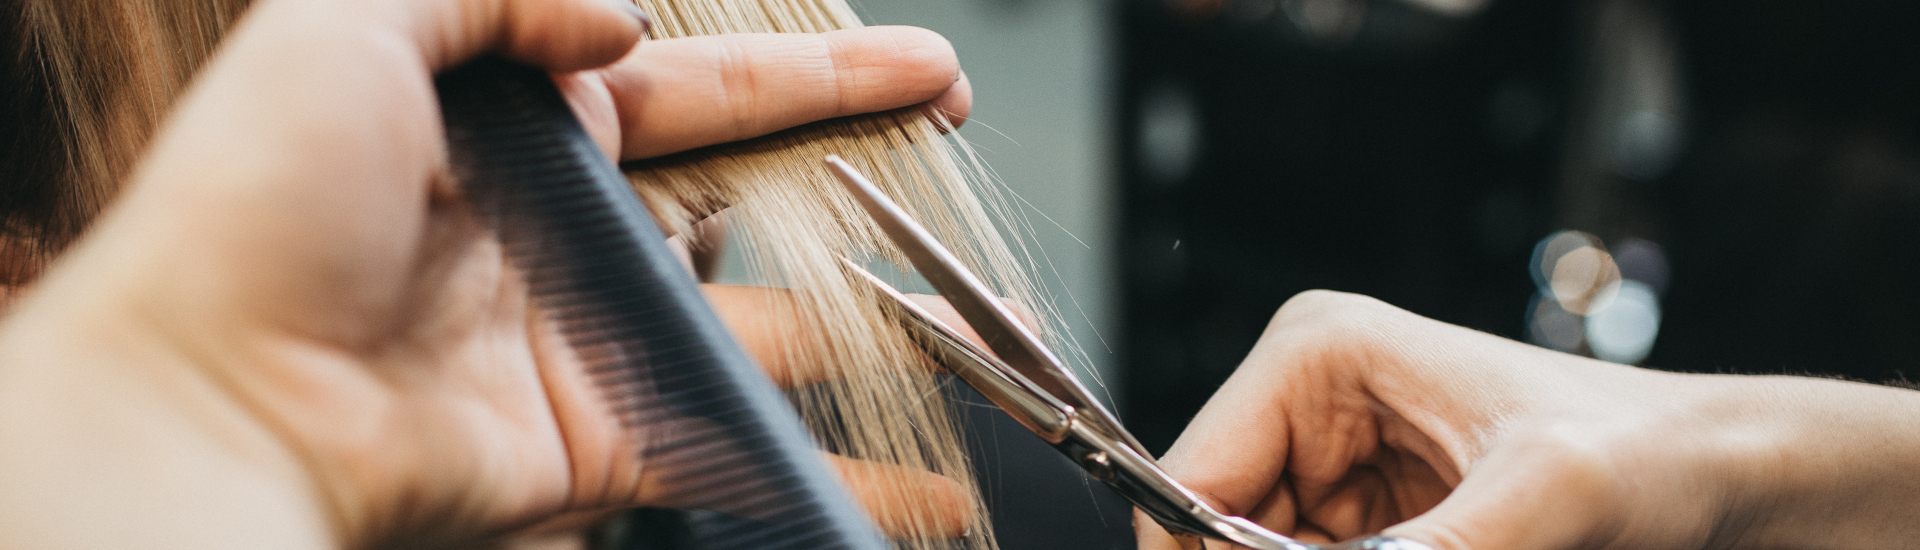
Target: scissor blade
x=1005, y=335
x=1007, y=388
x=992, y=320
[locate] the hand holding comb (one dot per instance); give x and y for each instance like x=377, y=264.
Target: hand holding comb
x=711, y=427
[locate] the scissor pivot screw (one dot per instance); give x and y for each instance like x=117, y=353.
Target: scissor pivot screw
x=1097, y=465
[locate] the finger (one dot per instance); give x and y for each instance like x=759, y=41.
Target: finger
x=905, y=501
x=1149, y=535
x=1358, y=504
x=698, y=249
x=559, y=35
x=1235, y=450
x=683, y=252
x=954, y=105
x=1280, y=511
x=1152, y=536
x=1547, y=492
x=945, y=313
x=767, y=323
x=704, y=241
x=671, y=98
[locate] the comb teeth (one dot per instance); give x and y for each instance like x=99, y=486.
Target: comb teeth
x=713, y=429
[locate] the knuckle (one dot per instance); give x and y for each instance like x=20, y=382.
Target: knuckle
x=574, y=37
x=1320, y=299
x=840, y=73
x=736, y=87
x=1339, y=316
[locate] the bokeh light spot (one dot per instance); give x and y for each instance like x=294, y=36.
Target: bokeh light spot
x=1624, y=330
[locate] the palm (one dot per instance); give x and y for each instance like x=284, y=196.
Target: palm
x=453, y=387
x=498, y=402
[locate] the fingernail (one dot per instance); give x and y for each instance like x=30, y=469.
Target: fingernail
x=646, y=22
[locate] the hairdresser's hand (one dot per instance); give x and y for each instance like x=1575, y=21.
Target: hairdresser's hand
x=287, y=333
x=679, y=94
x=1351, y=417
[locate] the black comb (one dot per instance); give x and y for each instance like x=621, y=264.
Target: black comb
x=713, y=429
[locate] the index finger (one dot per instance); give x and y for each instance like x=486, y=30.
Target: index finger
x=684, y=93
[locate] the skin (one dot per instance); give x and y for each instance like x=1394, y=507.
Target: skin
x=287, y=332
x=1353, y=417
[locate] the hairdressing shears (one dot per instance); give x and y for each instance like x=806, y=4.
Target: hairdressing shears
x=1020, y=375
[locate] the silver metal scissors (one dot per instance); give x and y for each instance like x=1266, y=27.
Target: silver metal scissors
x=1020, y=375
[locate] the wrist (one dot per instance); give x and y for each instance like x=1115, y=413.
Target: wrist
x=1819, y=463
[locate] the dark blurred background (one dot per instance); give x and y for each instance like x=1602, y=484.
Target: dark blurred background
x=1749, y=170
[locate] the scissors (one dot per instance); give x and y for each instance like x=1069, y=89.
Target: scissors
x=1020, y=375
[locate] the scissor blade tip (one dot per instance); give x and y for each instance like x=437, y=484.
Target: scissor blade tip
x=839, y=164
x=847, y=175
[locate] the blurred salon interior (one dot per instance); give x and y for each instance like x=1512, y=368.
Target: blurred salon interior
x=1692, y=186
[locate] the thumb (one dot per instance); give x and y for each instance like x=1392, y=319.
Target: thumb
x=1552, y=492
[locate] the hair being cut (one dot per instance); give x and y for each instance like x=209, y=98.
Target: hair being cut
x=795, y=222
